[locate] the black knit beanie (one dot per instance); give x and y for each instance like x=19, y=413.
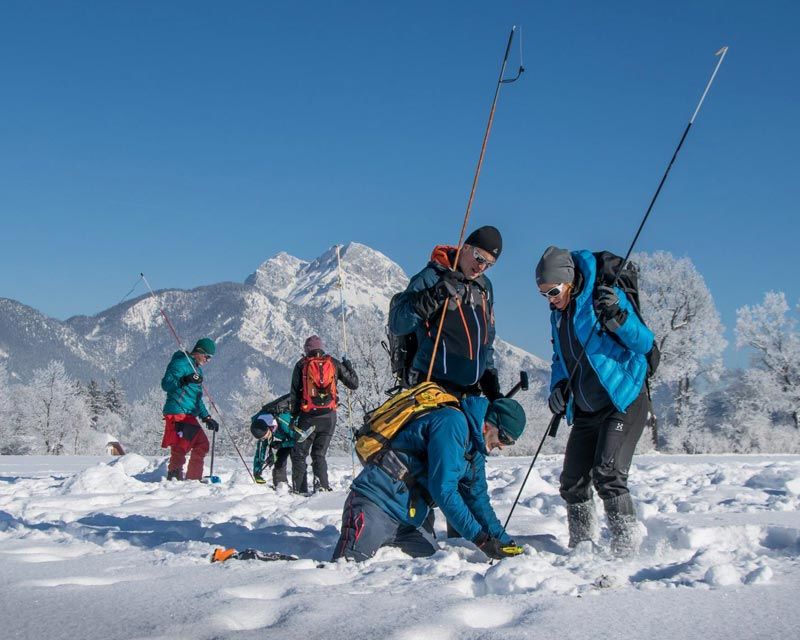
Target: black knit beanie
x=487, y=238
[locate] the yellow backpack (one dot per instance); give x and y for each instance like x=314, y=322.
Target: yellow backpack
x=384, y=422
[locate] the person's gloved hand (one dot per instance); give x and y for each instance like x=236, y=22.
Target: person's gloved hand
x=428, y=301
x=496, y=549
x=211, y=424
x=191, y=378
x=606, y=306
x=558, y=398
x=490, y=385
x=347, y=364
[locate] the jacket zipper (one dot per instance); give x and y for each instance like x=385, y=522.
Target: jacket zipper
x=578, y=362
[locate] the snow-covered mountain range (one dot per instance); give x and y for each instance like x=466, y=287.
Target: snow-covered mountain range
x=260, y=325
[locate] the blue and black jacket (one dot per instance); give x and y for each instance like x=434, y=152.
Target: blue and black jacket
x=618, y=360
x=466, y=346
x=187, y=399
x=446, y=453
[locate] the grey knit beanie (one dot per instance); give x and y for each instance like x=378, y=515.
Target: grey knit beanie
x=555, y=267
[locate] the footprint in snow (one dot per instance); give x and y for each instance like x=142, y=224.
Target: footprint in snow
x=247, y=616
x=45, y=553
x=484, y=615
x=256, y=592
x=80, y=581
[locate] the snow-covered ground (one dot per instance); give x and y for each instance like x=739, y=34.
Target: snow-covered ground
x=91, y=548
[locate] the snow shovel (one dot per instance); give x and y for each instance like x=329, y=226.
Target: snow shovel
x=211, y=478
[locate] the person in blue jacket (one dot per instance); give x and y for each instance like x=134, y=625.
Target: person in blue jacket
x=183, y=382
x=465, y=356
x=606, y=403
x=440, y=459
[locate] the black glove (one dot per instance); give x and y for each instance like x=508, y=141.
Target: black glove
x=347, y=364
x=606, y=306
x=211, y=424
x=496, y=549
x=192, y=378
x=428, y=301
x=558, y=398
x=490, y=385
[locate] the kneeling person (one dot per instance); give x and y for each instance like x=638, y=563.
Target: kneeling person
x=444, y=452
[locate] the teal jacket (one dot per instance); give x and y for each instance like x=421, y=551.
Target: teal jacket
x=446, y=453
x=619, y=361
x=187, y=399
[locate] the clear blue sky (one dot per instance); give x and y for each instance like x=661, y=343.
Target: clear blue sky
x=193, y=140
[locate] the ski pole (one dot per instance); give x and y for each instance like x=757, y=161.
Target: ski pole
x=211, y=477
x=344, y=339
x=552, y=427
x=500, y=81
x=194, y=368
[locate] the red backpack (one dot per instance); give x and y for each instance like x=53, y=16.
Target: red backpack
x=319, y=383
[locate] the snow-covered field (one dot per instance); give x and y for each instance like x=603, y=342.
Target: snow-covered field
x=91, y=548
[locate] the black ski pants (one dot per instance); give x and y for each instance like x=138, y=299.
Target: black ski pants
x=281, y=462
x=600, y=450
x=317, y=444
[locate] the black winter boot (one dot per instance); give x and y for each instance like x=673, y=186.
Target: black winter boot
x=623, y=525
x=582, y=522
x=177, y=474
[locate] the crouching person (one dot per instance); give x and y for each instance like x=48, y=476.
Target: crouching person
x=441, y=458
x=276, y=437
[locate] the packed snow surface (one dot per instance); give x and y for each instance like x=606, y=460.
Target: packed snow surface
x=105, y=548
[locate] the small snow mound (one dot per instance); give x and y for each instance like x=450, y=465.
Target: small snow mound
x=762, y=575
x=722, y=575
x=775, y=477
x=483, y=615
x=521, y=575
x=131, y=464
x=100, y=479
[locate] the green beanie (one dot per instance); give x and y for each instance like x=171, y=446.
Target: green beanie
x=508, y=415
x=206, y=346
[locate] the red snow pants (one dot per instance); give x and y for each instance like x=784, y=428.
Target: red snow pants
x=183, y=434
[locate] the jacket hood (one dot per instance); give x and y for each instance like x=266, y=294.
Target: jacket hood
x=442, y=255
x=474, y=408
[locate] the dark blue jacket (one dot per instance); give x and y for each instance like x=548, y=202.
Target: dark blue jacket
x=187, y=399
x=466, y=347
x=621, y=368
x=445, y=451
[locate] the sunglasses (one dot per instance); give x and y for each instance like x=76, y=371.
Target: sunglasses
x=504, y=438
x=555, y=291
x=481, y=259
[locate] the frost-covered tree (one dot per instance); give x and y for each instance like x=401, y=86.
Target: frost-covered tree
x=95, y=399
x=115, y=397
x=12, y=441
x=145, y=424
x=53, y=411
x=678, y=307
x=771, y=334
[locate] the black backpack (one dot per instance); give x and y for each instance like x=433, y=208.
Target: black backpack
x=281, y=404
x=606, y=270
x=401, y=350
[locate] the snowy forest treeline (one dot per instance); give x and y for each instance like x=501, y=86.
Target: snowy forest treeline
x=702, y=407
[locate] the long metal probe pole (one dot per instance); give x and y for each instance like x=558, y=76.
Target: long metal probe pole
x=472, y=194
